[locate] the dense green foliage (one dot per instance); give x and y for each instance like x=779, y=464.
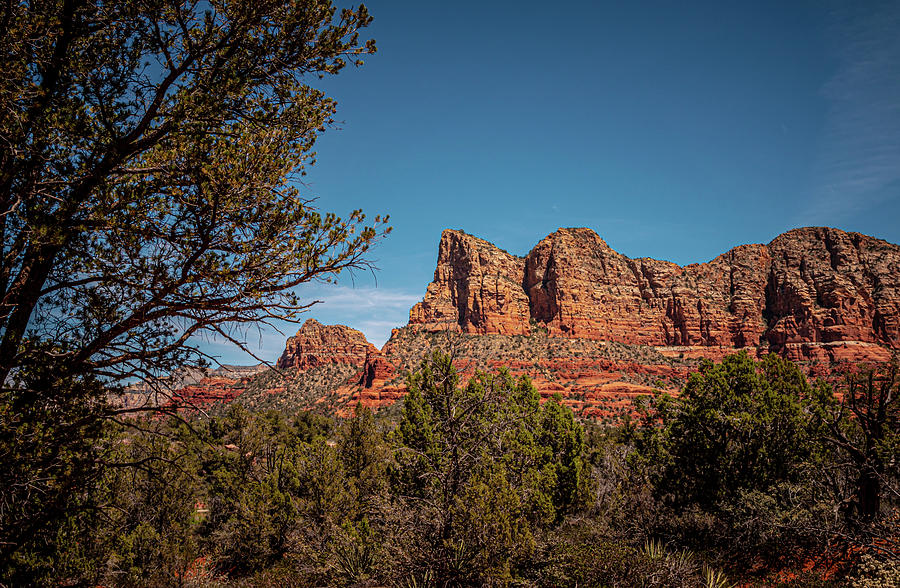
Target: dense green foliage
x=149, y=152
x=51, y=450
x=475, y=483
x=484, y=467
x=754, y=463
x=736, y=427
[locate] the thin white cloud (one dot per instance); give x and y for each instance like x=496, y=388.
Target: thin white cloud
x=378, y=332
x=859, y=158
x=347, y=298
x=374, y=311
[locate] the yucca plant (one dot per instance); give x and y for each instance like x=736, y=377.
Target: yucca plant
x=681, y=559
x=426, y=580
x=713, y=578
x=355, y=554
x=671, y=568
x=654, y=549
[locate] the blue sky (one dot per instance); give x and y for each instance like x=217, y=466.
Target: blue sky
x=675, y=130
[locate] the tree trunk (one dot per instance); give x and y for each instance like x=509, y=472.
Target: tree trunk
x=868, y=494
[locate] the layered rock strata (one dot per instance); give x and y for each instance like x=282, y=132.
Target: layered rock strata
x=801, y=294
x=477, y=287
x=596, y=327
x=316, y=344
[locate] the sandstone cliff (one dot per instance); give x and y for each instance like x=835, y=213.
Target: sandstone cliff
x=316, y=345
x=811, y=293
x=476, y=287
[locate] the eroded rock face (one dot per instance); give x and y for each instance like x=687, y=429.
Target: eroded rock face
x=477, y=288
x=827, y=286
x=316, y=344
x=810, y=286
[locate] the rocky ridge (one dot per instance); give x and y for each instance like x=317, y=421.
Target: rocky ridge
x=811, y=293
x=319, y=358
x=599, y=328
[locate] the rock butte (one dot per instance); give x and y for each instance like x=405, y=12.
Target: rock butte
x=820, y=296
x=316, y=344
x=800, y=295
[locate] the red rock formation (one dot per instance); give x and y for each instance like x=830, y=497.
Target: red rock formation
x=477, y=288
x=316, y=344
x=827, y=286
x=603, y=328
x=205, y=392
x=808, y=287
x=375, y=370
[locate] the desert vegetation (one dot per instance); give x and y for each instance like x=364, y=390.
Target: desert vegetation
x=751, y=475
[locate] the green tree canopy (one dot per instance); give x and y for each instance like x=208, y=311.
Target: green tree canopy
x=150, y=156
x=485, y=467
x=738, y=425
x=148, y=152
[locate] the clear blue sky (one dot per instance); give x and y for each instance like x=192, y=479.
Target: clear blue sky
x=675, y=130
